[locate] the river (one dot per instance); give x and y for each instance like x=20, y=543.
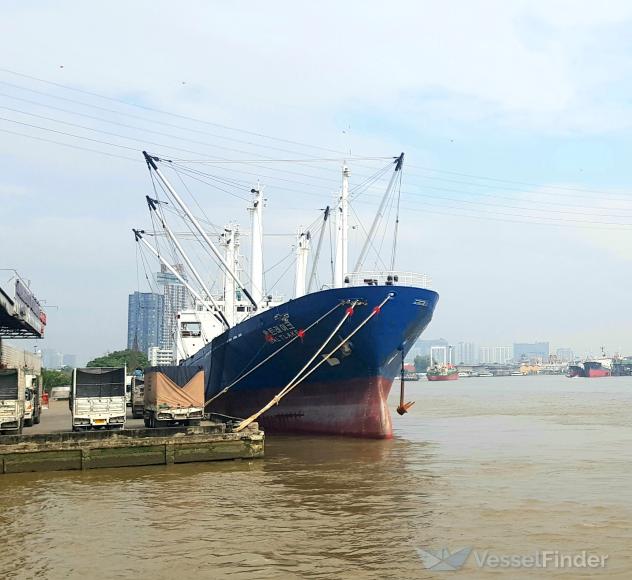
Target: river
x=500, y=466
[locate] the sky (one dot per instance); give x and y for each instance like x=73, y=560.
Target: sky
x=515, y=119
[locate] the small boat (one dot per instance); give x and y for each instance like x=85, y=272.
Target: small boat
x=485, y=374
x=516, y=374
x=442, y=373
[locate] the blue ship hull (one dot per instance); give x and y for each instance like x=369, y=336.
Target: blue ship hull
x=347, y=394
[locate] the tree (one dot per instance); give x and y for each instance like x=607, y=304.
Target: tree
x=130, y=358
x=422, y=363
x=52, y=378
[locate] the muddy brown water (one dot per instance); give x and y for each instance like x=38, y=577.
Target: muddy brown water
x=502, y=466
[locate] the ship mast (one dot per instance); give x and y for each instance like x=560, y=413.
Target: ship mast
x=151, y=163
x=312, y=276
x=230, y=239
x=152, y=206
x=342, y=231
x=380, y=213
x=302, y=255
x=256, y=253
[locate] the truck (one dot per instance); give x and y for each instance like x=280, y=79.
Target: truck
x=173, y=395
x=32, y=400
x=12, y=395
x=138, y=397
x=97, y=398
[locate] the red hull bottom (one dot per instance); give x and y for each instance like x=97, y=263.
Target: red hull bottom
x=452, y=377
x=594, y=373
x=356, y=408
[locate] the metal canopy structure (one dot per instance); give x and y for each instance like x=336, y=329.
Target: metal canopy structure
x=13, y=323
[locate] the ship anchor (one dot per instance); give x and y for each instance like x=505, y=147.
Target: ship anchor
x=403, y=407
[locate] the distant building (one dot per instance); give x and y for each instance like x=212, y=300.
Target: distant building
x=70, y=360
x=531, y=351
x=174, y=300
x=144, y=320
x=503, y=354
x=465, y=353
x=52, y=359
x=422, y=347
x=565, y=355
x=485, y=355
x=500, y=355
x=160, y=356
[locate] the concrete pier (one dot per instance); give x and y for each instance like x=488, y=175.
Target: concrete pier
x=48, y=447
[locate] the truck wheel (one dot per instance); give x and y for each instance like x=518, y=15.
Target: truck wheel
x=147, y=423
x=36, y=420
x=28, y=422
x=193, y=422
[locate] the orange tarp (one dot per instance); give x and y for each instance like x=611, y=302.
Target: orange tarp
x=161, y=390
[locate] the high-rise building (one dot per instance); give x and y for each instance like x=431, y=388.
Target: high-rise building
x=565, y=355
x=495, y=354
x=422, y=347
x=52, y=359
x=485, y=355
x=465, y=353
x=502, y=354
x=174, y=300
x=144, y=320
x=70, y=360
x=531, y=351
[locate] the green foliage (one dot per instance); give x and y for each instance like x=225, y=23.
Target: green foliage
x=422, y=363
x=132, y=358
x=52, y=378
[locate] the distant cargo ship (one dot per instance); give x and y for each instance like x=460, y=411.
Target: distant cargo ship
x=589, y=369
x=442, y=373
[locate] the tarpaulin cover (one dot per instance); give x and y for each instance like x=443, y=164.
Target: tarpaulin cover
x=161, y=390
x=180, y=375
x=100, y=382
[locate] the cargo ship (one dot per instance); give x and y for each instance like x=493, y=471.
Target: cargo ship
x=323, y=362
x=589, y=369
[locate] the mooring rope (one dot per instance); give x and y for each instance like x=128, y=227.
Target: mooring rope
x=298, y=378
x=299, y=335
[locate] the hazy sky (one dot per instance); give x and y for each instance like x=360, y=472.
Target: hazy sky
x=515, y=118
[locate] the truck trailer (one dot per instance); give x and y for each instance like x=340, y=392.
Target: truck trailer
x=32, y=400
x=138, y=397
x=97, y=398
x=12, y=394
x=173, y=395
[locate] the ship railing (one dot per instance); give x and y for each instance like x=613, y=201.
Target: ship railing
x=388, y=278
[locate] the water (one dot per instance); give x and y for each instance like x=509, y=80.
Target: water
x=510, y=465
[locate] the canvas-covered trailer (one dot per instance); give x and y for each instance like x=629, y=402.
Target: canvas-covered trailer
x=173, y=395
